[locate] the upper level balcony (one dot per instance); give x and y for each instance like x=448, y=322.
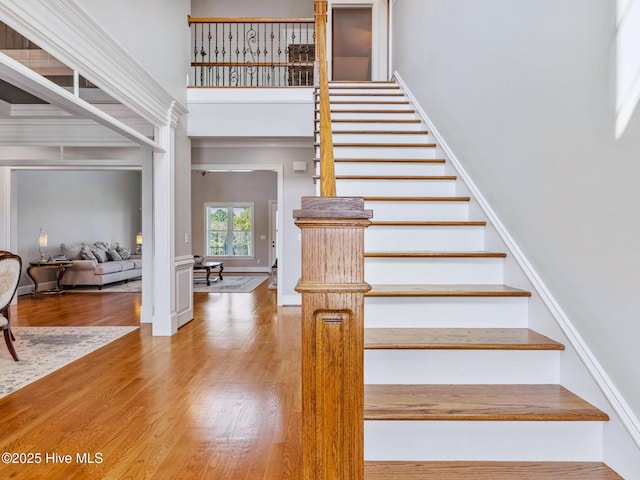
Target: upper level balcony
x=247, y=72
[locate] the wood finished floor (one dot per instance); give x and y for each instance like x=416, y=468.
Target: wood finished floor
x=219, y=400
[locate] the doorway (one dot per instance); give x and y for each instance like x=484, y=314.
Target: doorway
x=357, y=40
x=351, y=40
x=263, y=230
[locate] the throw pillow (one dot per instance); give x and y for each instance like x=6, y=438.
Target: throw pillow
x=100, y=255
x=121, y=250
x=113, y=255
x=71, y=252
x=104, y=246
x=125, y=253
x=87, y=254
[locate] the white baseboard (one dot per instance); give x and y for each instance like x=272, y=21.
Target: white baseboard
x=612, y=394
x=292, y=300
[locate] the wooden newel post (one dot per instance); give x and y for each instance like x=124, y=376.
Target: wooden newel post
x=333, y=288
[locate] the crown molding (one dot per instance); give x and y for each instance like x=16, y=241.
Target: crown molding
x=69, y=33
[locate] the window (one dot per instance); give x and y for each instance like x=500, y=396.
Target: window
x=229, y=229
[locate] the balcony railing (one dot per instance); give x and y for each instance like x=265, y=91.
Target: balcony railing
x=252, y=52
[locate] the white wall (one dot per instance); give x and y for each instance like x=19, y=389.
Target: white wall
x=296, y=185
x=227, y=187
x=75, y=207
x=154, y=32
x=523, y=92
x=252, y=8
x=250, y=112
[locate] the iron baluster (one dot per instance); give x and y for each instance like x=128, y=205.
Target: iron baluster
x=217, y=51
x=195, y=52
x=209, y=82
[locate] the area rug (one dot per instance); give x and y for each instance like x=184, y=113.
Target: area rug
x=43, y=350
x=231, y=284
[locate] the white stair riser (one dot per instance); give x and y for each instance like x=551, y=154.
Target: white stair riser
x=425, y=211
x=446, y=312
x=366, y=91
x=359, y=115
x=381, y=152
x=376, y=126
x=405, y=271
x=364, y=96
x=424, y=188
x=382, y=168
x=372, y=106
x=402, y=238
x=483, y=440
x=377, y=138
x=415, y=367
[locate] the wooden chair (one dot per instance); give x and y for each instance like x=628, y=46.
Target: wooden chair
x=10, y=269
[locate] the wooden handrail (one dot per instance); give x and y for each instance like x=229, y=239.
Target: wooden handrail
x=191, y=20
x=252, y=64
x=327, y=169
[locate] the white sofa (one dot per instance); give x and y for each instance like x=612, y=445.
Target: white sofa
x=99, y=271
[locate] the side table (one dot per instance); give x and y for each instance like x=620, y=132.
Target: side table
x=59, y=266
x=208, y=266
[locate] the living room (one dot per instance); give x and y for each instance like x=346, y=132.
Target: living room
x=73, y=207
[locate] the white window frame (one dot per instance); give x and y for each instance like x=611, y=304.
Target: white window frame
x=229, y=205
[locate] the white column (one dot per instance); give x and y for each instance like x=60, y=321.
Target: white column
x=146, y=310
x=165, y=320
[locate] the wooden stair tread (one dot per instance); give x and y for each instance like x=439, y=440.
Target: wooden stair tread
x=396, y=177
x=477, y=403
x=457, y=339
x=384, y=145
x=363, y=94
x=435, y=255
x=488, y=471
x=387, y=160
x=378, y=132
x=432, y=290
x=419, y=223
x=369, y=111
x=417, y=199
x=372, y=102
x=368, y=120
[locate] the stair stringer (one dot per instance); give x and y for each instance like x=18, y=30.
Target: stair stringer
x=580, y=370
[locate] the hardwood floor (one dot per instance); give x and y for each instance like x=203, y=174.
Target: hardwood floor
x=219, y=400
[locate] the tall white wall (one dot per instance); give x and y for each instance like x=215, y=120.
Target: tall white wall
x=154, y=32
x=252, y=8
x=524, y=94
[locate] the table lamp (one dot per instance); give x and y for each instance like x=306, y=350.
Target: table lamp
x=42, y=242
x=139, y=243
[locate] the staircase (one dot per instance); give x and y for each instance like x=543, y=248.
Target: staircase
x=456, y=385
